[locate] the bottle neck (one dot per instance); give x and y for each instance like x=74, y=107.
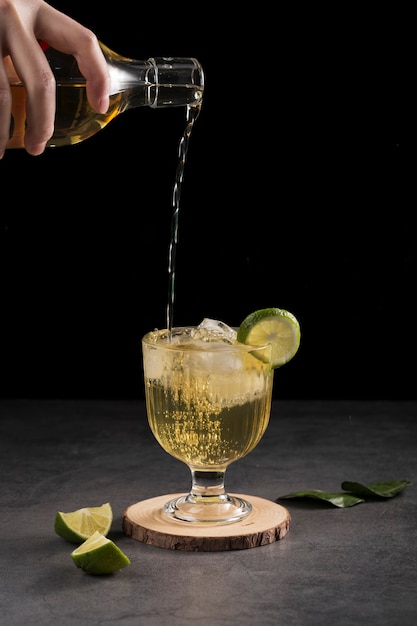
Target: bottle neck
x=157, y=82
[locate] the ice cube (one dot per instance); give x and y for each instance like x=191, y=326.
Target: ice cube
x=214, y=330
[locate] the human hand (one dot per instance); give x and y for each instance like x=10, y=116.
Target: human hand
x=22, y=24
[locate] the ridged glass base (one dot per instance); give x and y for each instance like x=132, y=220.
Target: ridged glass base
x=223, y=509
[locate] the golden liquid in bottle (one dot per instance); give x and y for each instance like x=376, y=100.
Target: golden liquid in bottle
x=75, y=119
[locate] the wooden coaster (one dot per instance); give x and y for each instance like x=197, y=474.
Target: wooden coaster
x=145, y=521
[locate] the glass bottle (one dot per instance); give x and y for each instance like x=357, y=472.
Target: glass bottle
x=156, y=82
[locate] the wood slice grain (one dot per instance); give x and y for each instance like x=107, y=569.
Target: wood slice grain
x=145, y=522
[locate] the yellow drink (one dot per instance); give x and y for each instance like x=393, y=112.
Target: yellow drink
x=208, y=402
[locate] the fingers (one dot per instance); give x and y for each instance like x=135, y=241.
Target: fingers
x=18, y=38
x=93, y=67
x=70, y=37
x=35, y=73
x=22, y=56
x=5, y=109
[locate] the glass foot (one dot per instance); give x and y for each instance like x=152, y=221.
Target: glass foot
x=223, y=509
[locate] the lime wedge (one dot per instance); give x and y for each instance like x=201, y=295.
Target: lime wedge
x=79, y=525
x=276, y=327
x=99, y=555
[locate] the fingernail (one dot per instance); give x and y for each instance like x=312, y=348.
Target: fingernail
x=104, y=104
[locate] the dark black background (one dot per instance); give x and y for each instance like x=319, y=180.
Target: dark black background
x=299, y=192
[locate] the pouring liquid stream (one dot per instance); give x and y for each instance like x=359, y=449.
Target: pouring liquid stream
x=192, y=113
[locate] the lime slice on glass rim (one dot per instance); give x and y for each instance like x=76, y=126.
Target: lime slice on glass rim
x=99, y=555
x=278, y=328
x=77, y=526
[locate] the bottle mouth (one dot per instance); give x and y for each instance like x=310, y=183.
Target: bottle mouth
x=175, y=81
x=177, y=71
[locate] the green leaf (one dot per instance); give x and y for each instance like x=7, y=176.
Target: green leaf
x=376, y=490
x=353, y=493
x=340, y=500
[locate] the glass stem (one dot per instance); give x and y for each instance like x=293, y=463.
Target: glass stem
x=208, y=485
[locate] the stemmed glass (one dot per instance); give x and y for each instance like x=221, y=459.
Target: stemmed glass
x=208, y=401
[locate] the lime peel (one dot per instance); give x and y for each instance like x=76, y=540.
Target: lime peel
x=274, y=327
x=99, y=555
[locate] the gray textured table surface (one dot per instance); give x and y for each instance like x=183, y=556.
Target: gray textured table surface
x=347, y=566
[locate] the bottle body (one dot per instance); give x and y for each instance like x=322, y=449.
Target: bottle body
x=156, y=82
